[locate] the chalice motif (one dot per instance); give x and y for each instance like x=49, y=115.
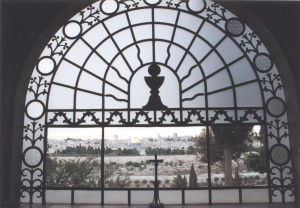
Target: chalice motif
x=154, y=82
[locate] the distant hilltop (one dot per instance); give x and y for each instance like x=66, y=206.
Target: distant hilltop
x=174, y=142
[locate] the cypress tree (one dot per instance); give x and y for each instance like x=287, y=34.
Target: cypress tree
x=193, y=178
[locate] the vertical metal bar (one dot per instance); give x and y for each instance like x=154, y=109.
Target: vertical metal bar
x=102, y=167
x=43, y=195
x=153, y=36
x=267, y=161
x=183, y=196
x=45, y=161
x=240, y=196
x=208, y=164
x=72, y=196
x=129, y=196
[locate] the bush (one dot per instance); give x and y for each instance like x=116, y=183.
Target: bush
x=72, y=173
x=179, y=181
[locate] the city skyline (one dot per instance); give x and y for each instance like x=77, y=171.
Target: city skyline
x=122, y=132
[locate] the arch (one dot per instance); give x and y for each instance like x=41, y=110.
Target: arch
x=273, y=109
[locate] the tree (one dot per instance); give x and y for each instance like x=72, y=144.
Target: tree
x=256, y=160
x=83, y=173
x=72, y=172
x=193, y=178
x=191, y=150
x=179, y=181
x=232, y=138
x=110, y=173
x=227, y=143
x=120, y=182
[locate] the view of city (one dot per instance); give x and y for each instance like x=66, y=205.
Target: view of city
x=77, y=162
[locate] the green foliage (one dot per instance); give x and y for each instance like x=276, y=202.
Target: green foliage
x=120, y=182
x=201, y=145
x=237, y=136
x=180, y=162
x=91, y=151
x=193, y=178
x=129, y=152
x=78, y=151
x=237, y=179
x=231, y=134
x=191, y=150
x=134, y=164
x=179, y=182
x=80, y=172
x=164, y=151
x=137, y=183
x=158, y=151
x=72, y=173
x=256, y=160
x=178, y=152
x=227, y=143
x=111, y=172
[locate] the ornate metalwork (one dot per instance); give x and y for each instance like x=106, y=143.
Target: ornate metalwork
x=156, y=201
x=144, y=118
x=181, y=62
x=154, y=82
x=33, y=157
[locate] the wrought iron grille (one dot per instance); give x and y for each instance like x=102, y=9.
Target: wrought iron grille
x=202, y=64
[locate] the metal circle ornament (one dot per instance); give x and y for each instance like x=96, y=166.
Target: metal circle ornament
x=109, y=7
x=46, y=65
x=32, y=157
x=35, y=109
x=263, y=62
x=196, y=6
x=235, y=27
x=72, y=29
x=276, y=106
x=279, y=155
x=152, y=2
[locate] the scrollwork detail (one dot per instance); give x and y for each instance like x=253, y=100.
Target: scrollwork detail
x=250, y=42
x=278, y=124
x=57, y=45
x=270, y=81
x=33, y=128
x=131, y=3
x=36, y=83
x=216, y=12
x=90, y=16
x=170, y=3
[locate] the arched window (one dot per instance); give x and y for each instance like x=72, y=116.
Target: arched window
x=147, y=64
